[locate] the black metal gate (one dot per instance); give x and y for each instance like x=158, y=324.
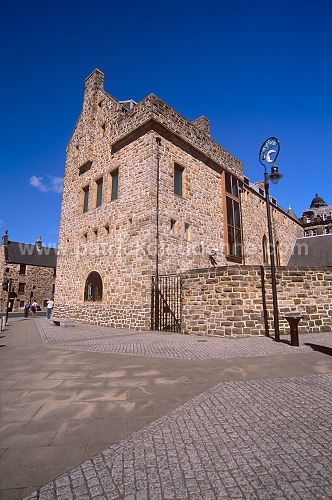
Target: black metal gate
x=166, y=303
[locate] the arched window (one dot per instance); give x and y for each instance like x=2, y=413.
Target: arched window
x=93, y=291
x=277, y=254
x=265, y=250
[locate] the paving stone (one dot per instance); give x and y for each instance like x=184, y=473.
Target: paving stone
x=273, y=465
x=166, y=345
x=246, y=439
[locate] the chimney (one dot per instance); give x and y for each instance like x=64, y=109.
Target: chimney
x=94, y=81
x=5, y=238
x=38, y=243
x=203, y=124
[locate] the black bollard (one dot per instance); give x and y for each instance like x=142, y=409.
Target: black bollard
x=293, y=320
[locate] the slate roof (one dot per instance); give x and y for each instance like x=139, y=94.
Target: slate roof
x=292, y=214
x=24, y=253
x=313, y=251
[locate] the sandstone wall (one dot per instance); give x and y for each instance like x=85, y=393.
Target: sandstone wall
x=38, y=280
x=237, y=300
x=118, y=239
x=254, y=223
x=198, y=214
x=113, y=239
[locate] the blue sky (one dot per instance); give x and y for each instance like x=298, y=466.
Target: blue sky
x=255, y=69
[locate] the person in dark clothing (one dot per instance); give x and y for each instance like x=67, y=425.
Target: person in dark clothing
x=26, y=308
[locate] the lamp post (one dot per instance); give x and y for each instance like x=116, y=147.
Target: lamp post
x=9, y=289
x=269, y=153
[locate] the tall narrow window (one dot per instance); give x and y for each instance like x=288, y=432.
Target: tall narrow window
x=23, y=268
x=115, y=184
x=265, y=251
x=277, y=254
x=85, y=199
x=178, y=180
x=234, y=231
x=99, y=183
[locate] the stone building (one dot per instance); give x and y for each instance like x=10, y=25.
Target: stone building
x=31, y=269
x=317, y=219
x=148, y=193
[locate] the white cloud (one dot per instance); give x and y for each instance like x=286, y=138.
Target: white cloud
x=53, y=184
x=36, y=182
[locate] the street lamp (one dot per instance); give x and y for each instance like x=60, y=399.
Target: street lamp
x=269, y=153
x=9, y=289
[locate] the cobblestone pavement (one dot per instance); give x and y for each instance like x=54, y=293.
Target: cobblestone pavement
x=169, y=345
x=250, y=439
x=258, y=439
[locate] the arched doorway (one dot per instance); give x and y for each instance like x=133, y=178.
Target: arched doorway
x=93, y=291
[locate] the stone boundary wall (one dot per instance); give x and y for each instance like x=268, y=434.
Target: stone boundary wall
x=137, y=318
x=237, y=300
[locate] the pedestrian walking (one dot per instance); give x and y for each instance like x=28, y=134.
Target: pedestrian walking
x=26, y=308
x=49, y=308
x=34, y=308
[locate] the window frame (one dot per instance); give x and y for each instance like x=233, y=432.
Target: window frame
x=277, y=253
x=86, y=192
x=93, y=293
x=114, y=184
x=178, y=180
x=99, y=192
x=232, y=221
x=23, y=269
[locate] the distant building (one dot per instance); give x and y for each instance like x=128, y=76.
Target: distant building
x=149, y=193
x=31, y=269
x=317, y=219
x=313, y=251
x=315, y=248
